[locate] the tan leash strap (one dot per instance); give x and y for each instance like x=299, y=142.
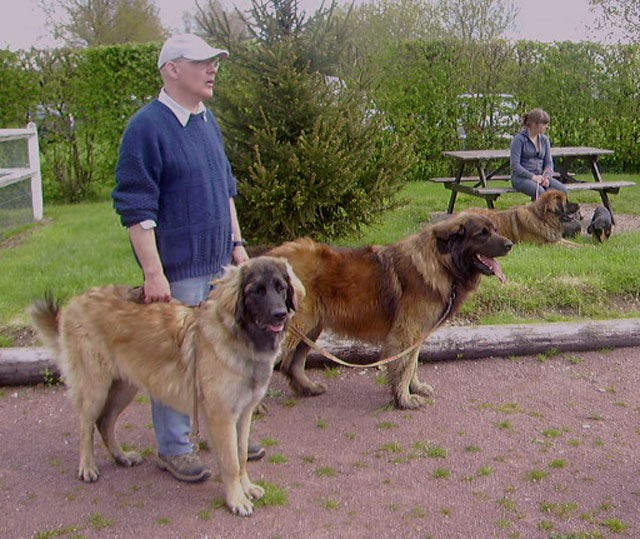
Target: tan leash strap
x=380, y=362
x=195, y=422
x=339, y=361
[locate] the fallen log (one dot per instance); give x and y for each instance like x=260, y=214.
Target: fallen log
x=26, y=366
x=21, y=366
x=475, y=342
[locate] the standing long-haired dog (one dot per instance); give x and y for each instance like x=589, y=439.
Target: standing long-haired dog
x=218, y=356
x=392, y=294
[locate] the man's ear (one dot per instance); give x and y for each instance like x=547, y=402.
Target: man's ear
x=170, y=70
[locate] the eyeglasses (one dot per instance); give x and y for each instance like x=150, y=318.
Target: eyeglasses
x=206, y=64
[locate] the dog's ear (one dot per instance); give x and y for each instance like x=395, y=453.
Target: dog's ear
x=295, y=288
x=228, y=289
x=561, y=201
x=447, y=233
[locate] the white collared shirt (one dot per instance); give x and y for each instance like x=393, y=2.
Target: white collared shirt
x=181, y=113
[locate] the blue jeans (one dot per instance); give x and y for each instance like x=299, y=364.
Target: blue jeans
x=171, y=427
x=529, y=187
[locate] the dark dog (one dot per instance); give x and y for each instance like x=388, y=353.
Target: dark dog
x=601, y=224
x=571, y=228
x=219, y=355
x=392, y=294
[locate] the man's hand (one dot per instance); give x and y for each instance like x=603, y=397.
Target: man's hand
x=156, y=288
x=239, y=255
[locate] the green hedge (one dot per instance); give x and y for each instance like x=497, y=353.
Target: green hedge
x=19, y=92
x=590, y=90
x=86, y=98
x=82, y=100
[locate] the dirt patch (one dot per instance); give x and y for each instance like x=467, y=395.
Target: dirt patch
x=16, y=239
x=625, y=222
x=20, y=335
x=521, y=447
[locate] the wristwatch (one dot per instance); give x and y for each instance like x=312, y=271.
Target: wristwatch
x=238, y=243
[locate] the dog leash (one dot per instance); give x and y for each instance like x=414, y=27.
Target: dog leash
x=195, y=421
x=195, y=424
x=380, y=362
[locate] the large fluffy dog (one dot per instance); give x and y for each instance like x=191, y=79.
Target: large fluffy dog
x=224, y=350
x=540, y=221
x=392, y=294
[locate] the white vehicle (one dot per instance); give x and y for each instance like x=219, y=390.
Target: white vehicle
x=494, y=114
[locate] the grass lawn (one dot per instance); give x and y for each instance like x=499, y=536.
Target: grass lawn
x=76, y=247
x=84, y=245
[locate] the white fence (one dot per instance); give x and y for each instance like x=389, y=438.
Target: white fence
x=32, y=172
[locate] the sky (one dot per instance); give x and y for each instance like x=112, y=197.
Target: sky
x=23, y=24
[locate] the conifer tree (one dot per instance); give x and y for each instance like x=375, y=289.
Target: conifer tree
x=311, y=153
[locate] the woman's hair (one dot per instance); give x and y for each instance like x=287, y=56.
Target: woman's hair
x=535, y=116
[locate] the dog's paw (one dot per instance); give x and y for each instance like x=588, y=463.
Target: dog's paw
x=240, y=505
x=253, y=491
x=422, y=389
x=308, y=389
x=129, y=458
x=261, y=408
x=411, y=401
x=316, y=388
x=88, y=474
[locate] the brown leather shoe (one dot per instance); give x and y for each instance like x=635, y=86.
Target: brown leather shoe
x=187, y=467
x=255, y=452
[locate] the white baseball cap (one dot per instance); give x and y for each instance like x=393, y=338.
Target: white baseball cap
x=187, y=46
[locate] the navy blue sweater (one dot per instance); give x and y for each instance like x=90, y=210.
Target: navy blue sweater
x=179, y=177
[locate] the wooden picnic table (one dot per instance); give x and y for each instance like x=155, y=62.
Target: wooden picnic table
x=494, y=165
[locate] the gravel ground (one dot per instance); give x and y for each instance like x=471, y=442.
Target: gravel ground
x=521, y=447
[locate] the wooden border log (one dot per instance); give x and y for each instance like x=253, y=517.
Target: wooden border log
x=475, y=342
x=26, y=366
x=20, y=366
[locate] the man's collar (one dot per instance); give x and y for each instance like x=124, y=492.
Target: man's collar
x=181, y=113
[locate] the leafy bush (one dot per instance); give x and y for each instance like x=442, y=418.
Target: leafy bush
x=589, y=89
x=86, y=98
x=19, y=90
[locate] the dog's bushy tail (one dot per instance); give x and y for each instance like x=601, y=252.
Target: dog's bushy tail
x=45, y=315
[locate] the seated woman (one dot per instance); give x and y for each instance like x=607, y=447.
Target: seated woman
x=530, y=158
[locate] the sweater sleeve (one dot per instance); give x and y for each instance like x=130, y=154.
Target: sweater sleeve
x=137, y=190
x=231, y=179
x=547, y=164
x=515, y=159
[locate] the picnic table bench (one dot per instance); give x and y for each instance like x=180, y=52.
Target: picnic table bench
x=564, y=155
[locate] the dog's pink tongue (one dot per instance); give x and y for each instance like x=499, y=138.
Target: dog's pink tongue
x=275, y=328
x=495, y=267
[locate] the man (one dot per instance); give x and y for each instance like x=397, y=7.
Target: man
x=174, y=193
